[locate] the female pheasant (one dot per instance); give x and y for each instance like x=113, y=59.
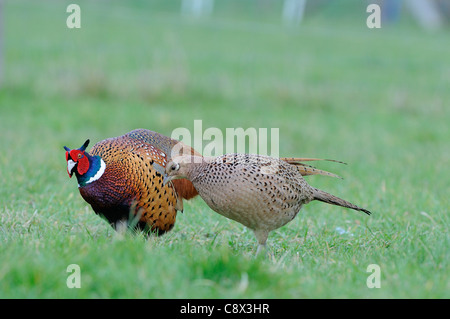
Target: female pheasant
x=260, y=192
x=118, y=179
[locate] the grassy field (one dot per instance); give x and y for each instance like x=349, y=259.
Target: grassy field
x=376, y=99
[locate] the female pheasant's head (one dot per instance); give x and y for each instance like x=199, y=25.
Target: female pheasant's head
x=77, y=159
x=180, y=167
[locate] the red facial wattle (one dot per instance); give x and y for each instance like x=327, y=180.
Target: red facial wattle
x=81, y=160
x=83, y=164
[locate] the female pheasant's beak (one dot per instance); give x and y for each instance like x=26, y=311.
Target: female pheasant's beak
x=171, y=172
x=166, y=179
x=160, y=170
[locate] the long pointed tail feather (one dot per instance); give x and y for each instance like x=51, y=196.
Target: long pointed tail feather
x=292, y=160
x=306, y=170
x=331, y=199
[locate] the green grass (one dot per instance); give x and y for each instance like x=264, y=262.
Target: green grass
x=376, y=99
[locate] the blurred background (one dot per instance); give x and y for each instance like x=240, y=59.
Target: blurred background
x=314, y=69
x=378, y=99
x=147, y=60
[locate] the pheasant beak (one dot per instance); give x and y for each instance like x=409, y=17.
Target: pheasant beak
x=159, y=169
x=70, y=167
x=166, y=179
x=70, y=163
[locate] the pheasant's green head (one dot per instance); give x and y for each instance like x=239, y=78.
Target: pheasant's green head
x=77, y=159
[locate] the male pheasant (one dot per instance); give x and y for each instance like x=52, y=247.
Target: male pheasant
x=118, y=179
x=260, y=192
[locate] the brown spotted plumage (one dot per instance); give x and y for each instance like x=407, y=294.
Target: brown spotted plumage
x=260, y=192
x=122, y=182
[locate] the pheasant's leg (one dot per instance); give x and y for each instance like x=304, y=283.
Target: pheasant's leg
x=261, y=249
x=121, y=226
x=261, y=237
